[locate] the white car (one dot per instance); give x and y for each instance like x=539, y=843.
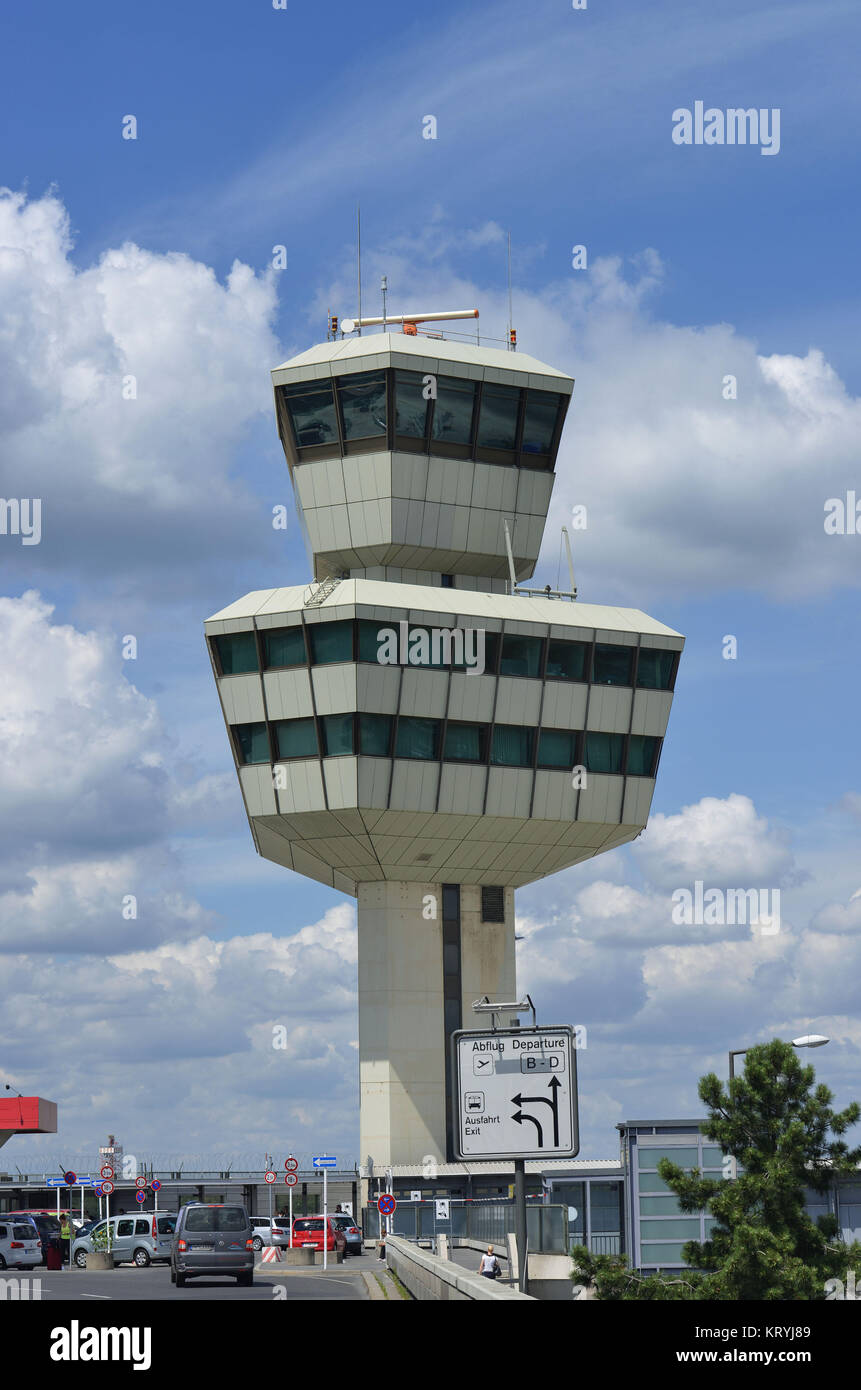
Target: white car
x=270, y=1232
x=20, y=1245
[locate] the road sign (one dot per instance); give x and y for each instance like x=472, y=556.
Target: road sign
x=325, y=1161
x=98, y=1188
x=442, y=1210
x=155, y=1185
x=70, y=1179
x=386, y=1204
x=83, y=1182
x=140, y=1196
x=291, y=1164
x=291, y=1179
x=140, y=1182
x=56, y=1182
x=515, y=1094
x=107, y=1188
x=269, y=1176
x=107, y=1171
x=415, y=1196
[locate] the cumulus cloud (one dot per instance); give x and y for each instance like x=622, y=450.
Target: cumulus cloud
x=722, y=842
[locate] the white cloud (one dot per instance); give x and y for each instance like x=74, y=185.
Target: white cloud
x=721, y=842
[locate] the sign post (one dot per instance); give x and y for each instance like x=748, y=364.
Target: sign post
x=291, y=1164
x=325, y=1161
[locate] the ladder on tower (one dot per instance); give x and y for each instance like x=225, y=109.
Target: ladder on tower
x=322, y=591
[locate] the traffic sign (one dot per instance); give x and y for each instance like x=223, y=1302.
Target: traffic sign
x=107, y=1188
x=291, y=1179
x=386, y=1204
x=107, y=1171
x=56, y=1182
x=325, y=1161
x=140, y=1196
x=269, y=1176
x=70, y=1179
x=140, y=1182
x=83, y=1182
x=515, y=1094
x=291, y=1164
x=98, y=1188
x=442, y=1210
x=155, y=1185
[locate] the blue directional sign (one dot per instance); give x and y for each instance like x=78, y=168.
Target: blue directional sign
x=325, y=1161
x=83, y=1182
x=56, y=1182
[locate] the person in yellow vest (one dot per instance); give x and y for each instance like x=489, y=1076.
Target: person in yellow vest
x=65, y=1236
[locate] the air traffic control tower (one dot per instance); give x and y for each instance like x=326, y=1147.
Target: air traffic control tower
x=412, y=727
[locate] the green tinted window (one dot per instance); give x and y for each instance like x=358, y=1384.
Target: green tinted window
x=712, y=1156
x=557, y=748
x=668, y=1255
x=566, y=660
x=296, y=738
x=612, y=664
x=331, y=642
x=362, y=398
x=603, y=752
x=253, y=742
x=539, y=421
x=660, y=1206
x=497, y=424
x=337, y=735
x=370, y=640
x=680, y=1227
x=521, y=656
x=417, y=738
x=312, y=412
x=452, y=416
x=655, y=668
x=465, y=743
x=375, y=735
x=284, y=647
x=684, y=1157
x=642, y=752
x=237, y=653
x=512, y=745
x=411, y=407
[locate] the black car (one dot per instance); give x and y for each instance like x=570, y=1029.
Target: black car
x=47, y=1226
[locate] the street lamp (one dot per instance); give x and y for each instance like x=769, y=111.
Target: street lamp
x=809, y=1040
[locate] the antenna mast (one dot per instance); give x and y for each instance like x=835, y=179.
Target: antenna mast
x=359, y=262
x=510, y=327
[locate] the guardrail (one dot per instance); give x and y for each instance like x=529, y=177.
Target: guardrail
x=489, y=1222
x=431, y=1279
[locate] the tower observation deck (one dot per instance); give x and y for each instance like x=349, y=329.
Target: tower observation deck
x=408, y=729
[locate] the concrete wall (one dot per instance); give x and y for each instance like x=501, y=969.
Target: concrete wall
x=431, y=1279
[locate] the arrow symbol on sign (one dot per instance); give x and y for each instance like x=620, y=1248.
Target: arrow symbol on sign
x=553, y=1085
x=520, y=1117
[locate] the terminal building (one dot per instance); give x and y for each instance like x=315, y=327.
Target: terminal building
x=414, y=726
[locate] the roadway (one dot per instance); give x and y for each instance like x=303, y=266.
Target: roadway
x=152, y=1284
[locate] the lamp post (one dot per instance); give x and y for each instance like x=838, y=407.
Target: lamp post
x=809, y=1040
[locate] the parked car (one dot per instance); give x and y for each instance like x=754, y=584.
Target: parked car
x=20, y=1246
x=136, y=1239
x=354, y=1237
x=308, y=1230
x=270, y=1232
x=47, y=1225
x=212, y=1238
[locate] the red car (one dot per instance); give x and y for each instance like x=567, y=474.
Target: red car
x=308, y=1230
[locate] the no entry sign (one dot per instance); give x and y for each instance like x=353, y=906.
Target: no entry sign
x=387, y=1204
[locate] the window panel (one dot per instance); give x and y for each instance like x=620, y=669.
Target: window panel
x=612, y=665
x=557, y=748
x=642, y=752
x=465, y=743
x=417, y=738
x=669, y=1255
x=331, y=642
x=253, y=742
x=411, y=408
x=680, y=1228
x=296, y=738
x=512, y=745
x=521, y=656
x=362, y=398
x=375, y=735
x=684, y=1157
x=472, y=648
x=311, y=406
x=452, y=417
x=650, y=1182
x=284, y=646
x=237, y=653
x=497, y=423
x=337, y=735
x=603, y=752
x=655, y=669
x=369, y=638
x=660, y=1206
x=567, y=660
x=539, y=421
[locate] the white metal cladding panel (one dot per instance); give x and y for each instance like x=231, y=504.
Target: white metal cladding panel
x=288, y=693
x=342, y=782
x=564, y=705
x=423, y=693
x=304, y=790
x=638, y=800
x=304, y=484
x=410, y=476
x=445, y=527
x=651, y=712
x=518, y=701
x=533, y=490
x=509, y=791
x=290, y=618
x=460, y=528
x=462, y=789
x=572, y=634
x=377, y=688
x=429, y=523
x=373, y=783
x=619, y=639
x=258, y=790
x=241, y=699
x=674, y=644
x=555, y=798
x=414, y=785
x=601, y=799
x=363, y=479
x=610, y=708
x=335, y=688
x=471, y=697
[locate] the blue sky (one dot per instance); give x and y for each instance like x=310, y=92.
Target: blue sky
x=258, y=128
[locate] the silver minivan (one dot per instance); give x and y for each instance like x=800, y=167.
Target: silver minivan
x=212, y=1238
x=137, y=1238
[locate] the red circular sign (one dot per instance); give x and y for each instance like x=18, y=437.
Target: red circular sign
x=291, y=1179
x=155, y=1185
x=387, y=1204
x=269, y=1176
x=140, y=1196
x=107, y=1188
x=140, y=1182
x=70, y=1179
x=291, y=1164
x=107, y=1171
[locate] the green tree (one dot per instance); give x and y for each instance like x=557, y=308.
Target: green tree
x=783, y=1135
x=613, y=1280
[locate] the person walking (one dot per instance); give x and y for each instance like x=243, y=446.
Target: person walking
x=65, y=1236
x=489, y=1265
